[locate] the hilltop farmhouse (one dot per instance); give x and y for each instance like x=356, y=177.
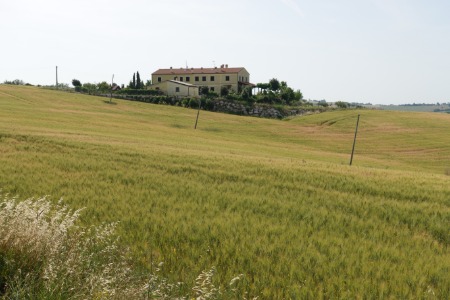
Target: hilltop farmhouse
x=187, y=81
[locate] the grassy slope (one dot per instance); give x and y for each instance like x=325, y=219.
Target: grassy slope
x=272, y=199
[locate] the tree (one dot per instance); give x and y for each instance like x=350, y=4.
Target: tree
x=76, y=83
x=274, y=84
x=138, y=81
x=263, y=86
x=287, y=94
x=246, y=93
x=298, y=95
x=89, y=88
x=322, y=103
x=341, y=104
x=277, y=92
x=103, y=87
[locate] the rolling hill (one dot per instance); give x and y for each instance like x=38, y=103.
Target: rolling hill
x=274, y=200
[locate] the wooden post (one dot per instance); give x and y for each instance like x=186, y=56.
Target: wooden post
x=198, y=112
x=354, y=141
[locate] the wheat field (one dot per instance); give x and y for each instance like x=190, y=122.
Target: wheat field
x=273, y=200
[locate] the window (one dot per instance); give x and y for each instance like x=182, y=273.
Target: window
x=177, y=89
x=197, y=78
x=159, y=79
x=203, y=78
x=246, y=79
x=188, y=78
x=227, y=78
x=181, y=78
x=211, y=89
x=212, y=78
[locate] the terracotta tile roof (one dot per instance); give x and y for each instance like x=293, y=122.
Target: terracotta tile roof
x=183, y=71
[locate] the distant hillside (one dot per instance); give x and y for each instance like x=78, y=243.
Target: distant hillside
x=444, y=108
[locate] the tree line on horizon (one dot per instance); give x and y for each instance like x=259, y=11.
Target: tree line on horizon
x=104, y=87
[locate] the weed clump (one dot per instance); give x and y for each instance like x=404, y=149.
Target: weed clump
x=44, y=255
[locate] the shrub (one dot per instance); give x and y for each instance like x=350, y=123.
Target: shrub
x=208, y=104
x=14, y=82
x=224, y=90
x=233, y=96
x=185, y=102
x=212, y=95
x=263, y=98
x=194, y=103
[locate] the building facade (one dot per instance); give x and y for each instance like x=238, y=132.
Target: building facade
x=213, y=78
x=176, y=88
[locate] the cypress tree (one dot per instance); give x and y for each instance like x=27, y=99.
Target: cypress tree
x=134, y=81
x=138, y=81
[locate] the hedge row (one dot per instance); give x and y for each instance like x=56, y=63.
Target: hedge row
x=138, y=92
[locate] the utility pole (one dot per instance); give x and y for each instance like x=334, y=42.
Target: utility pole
x=56, y=77
x=354, y=140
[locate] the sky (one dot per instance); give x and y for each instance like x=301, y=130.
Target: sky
x=367, y=51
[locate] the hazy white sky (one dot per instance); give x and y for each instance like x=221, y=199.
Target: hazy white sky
x=378, y=51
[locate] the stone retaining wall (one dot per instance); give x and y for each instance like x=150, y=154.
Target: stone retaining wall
x=257, y=110
x=231, y=107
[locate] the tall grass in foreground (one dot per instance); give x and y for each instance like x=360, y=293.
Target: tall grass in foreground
x=44, y=255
